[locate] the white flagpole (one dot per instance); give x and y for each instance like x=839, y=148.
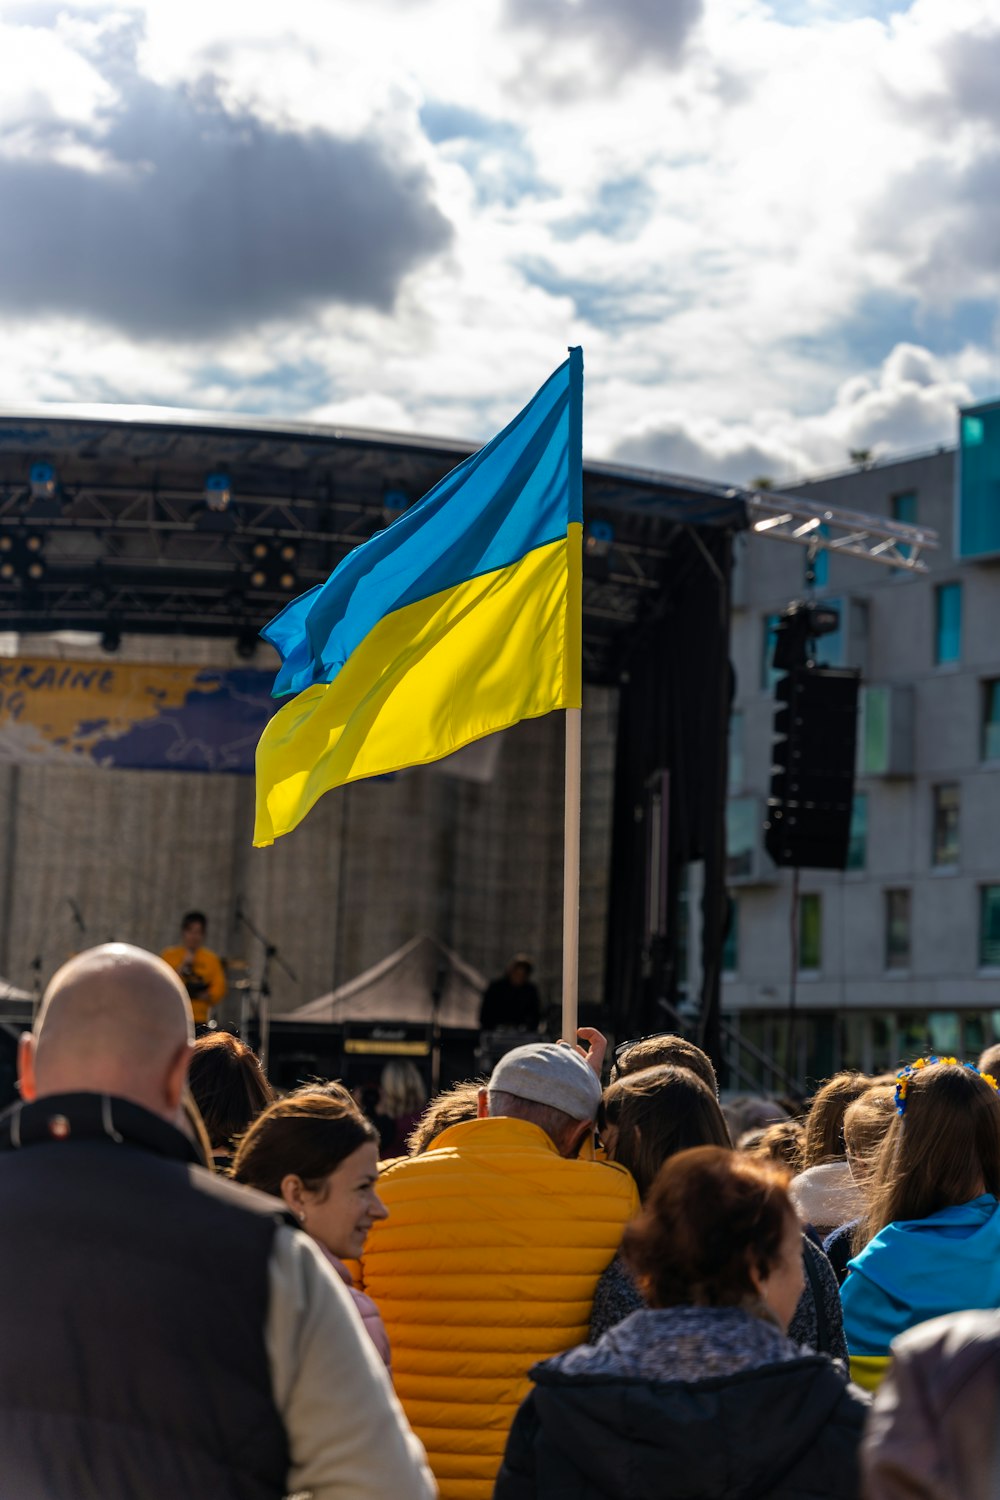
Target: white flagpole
x=571, y=878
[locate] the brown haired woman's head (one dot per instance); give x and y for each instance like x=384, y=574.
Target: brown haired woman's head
x=865, y=1124
x=654, y=1051
x=943, y=1149
x=228, y=1085
x=824, y=1140
x=317, y=1152
x=780, y=1143
x=718, y=1230
x=650, y=1116
x=452, y=1106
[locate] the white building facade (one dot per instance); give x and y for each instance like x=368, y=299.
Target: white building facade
x=901, y=951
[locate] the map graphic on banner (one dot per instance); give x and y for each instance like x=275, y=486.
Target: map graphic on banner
x=135, y=716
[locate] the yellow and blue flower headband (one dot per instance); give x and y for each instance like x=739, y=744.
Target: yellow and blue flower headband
x=912, y=1069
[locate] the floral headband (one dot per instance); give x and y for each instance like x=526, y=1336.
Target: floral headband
x=912, y=1069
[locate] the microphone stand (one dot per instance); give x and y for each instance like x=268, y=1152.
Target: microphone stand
x=78, y=921
x=36, y=985
x=263, y=1007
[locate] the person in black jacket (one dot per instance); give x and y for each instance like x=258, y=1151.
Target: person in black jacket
x=120, y=1375
x=512, y=1002
x=700, y=1395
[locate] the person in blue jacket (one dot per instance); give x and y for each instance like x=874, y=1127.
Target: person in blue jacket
x=929, y=1243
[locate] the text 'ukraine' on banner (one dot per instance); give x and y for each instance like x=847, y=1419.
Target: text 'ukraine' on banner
x=460, y=619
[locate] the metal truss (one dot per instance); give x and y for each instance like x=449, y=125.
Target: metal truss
x=127, y=541
x=787, y=518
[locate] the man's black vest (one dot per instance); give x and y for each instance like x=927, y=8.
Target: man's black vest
x=133, y=1300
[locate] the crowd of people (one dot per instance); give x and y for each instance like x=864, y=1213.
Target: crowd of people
x=541, y=1285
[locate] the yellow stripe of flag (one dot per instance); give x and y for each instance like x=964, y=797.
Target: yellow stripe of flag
x=429, y=678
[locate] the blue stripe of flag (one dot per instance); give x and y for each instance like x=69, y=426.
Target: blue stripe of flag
x=519, y=492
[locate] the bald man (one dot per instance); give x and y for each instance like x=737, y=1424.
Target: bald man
x=120, y=1374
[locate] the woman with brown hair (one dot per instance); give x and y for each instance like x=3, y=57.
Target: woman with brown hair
x=649, y=1117
x=825, y=1193
x=228, y=1084
x=700, y=1393
x=865, y=1124
x=317, y=1152
x=929, y=1240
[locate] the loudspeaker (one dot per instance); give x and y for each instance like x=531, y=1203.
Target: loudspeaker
x=812, y=771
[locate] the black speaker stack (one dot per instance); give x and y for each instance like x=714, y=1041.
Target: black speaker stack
x=812, y=768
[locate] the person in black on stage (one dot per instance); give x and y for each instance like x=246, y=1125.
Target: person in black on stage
x=512, y=1001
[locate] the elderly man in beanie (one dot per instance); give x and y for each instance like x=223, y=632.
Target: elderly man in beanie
x=488, y=1261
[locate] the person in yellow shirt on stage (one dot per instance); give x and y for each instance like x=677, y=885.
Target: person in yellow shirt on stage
x=200, y=970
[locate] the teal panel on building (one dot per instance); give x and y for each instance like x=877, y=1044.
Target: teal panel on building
x=978, y=529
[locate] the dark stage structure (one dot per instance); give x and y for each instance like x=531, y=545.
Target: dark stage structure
x=120, y=519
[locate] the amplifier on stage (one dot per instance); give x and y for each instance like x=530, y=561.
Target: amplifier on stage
x=386, y=1039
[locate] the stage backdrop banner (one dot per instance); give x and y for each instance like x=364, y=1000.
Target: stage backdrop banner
x=140, y=716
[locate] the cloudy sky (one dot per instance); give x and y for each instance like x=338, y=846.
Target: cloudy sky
x=774, y=227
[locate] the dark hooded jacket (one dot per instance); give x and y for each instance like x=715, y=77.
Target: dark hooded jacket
x=686, y=1404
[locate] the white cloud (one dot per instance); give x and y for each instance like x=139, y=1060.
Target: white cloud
x=911, y=405
x=763, y=227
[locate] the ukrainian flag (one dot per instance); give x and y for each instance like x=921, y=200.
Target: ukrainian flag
x=460, y=619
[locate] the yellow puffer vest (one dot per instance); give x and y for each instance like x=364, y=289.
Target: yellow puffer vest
x=488, y=1262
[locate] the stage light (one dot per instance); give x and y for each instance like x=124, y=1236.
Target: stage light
x=22, y=557
x=394, y=502
x=43, y=481
x=218, y=491
x=273, y=566
x=111, y=637
x=598, y=538
x=45, y=502
x=246, y=643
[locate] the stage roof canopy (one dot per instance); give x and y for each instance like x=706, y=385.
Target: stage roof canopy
x=110, y=520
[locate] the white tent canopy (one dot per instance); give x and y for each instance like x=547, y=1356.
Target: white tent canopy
x=10, y=991
x=401, y=988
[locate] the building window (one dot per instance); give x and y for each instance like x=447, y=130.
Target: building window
x=742, y=837
x=682, y=942
x=736, y=771
x=990, y=748
x=857, y=840
x=947, y=623
x=731, y=944
x=829, y=650
x=903, y=508
x=989, y=927
x=946, y=805
x=897, y=929
x=810, y=932
x=768, y=676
